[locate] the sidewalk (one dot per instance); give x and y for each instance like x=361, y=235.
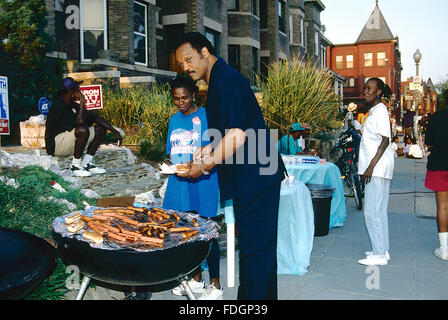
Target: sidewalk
x=413, y=273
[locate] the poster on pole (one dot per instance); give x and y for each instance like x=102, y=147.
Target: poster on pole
x=94, y=96
x=4, y=106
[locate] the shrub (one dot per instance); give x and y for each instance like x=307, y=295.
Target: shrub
x=298, y=91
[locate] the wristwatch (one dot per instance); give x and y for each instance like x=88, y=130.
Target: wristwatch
x=202, y=169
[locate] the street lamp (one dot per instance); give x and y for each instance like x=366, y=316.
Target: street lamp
x=417, y=58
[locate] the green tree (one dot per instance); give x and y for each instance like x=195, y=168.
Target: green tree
x=23, y=47
x=441, y=86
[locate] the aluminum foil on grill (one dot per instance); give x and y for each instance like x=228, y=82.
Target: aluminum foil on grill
x=207, y=228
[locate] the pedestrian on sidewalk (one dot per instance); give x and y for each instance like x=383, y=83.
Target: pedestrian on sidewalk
x=437, y=173
x=234, y=116
x=376, y=166
x=187, y=133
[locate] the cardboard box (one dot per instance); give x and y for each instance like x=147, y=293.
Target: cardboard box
x=116, y=202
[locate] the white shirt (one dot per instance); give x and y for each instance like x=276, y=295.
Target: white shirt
x=357, y=125
x=376, y=125
x=415, y=151
x=301, y=142
x=395, y=148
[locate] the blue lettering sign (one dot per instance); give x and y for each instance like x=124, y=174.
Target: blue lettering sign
x=44, y=106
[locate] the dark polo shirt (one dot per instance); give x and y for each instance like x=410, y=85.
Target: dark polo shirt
x=62, y=117
x=436, y=137
x=231, y=103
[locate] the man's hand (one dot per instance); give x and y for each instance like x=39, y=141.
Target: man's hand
x=194, y=172
x=119, y=138
x=367, y=175
x=202, y=153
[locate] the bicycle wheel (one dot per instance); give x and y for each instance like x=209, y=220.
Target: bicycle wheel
x=356, y=185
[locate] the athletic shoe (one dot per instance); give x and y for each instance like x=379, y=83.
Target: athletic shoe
x=441, y=254
x=370, y=253
x=195, y=286
x=374, y=260
x=79, y=172
x=90, y=167
x=211, y=293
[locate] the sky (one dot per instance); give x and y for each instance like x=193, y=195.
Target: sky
x=418, y=24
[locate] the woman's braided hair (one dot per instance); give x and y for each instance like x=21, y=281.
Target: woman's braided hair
x=386, y=91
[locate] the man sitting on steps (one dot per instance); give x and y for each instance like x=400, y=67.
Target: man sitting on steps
x=70, y=130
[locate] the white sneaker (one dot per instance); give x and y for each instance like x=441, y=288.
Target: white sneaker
x=195, y=286
x=370, y=253
x=90, y=167
x=374, y=260
x=79, y=172
x=441, y=254
x=211, y=293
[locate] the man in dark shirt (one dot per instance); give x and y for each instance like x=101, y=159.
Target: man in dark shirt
x=69, y=129
x=241, y=146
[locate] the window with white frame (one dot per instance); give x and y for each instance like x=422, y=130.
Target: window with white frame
x=316, y=43
x=381, y=58
x=233, y=5
x=140, y=34
x=349, y=61
x=93, y=31
x=368, y=59
x=351, y=82
x=281, y=16
x=302, y=30
x=339, y=62
x=291, y=39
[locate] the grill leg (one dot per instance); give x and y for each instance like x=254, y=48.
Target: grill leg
x=82, y=290
x=187, y=288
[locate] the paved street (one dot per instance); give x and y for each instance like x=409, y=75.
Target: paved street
x=412, y=273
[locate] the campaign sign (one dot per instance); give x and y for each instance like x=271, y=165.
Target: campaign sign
x=44, y=105
x=94, y=96
x=4, y=106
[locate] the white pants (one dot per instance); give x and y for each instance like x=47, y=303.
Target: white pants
x=376, y=198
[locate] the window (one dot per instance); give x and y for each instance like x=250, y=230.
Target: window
x=254, y=65
x=323, y=56
x=140, y=34
x=302, y=29
x=291, y=39
x=349, y=61
x=254, y=7
x=93, y=33
x=281, y=16
x=213, y=37
x=233, y=5
x=316, y=43
x=351, y=82
x=263, y=14
x=368, y=59
x=339, y=62
x=381, y=58
x=234, y=56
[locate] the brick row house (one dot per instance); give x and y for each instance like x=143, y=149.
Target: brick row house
x=375, y=53
x=132, y=41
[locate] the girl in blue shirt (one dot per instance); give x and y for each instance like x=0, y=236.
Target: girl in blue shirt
x=186, y=133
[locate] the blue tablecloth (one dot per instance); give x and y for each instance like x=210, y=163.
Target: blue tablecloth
x=295, y=228
x=327, y=174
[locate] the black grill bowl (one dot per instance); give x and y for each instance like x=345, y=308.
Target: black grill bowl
x=25, y=261
x=133, y=268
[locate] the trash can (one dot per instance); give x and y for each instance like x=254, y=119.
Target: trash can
x=321, y=196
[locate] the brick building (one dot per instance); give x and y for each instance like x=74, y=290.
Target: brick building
x=423, y=101
x=132, y=41
x=375, y=53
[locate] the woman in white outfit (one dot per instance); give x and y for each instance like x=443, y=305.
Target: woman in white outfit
x=376, y=165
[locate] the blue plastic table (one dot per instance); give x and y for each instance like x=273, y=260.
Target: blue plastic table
x=295, y=228
x=327, y=174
